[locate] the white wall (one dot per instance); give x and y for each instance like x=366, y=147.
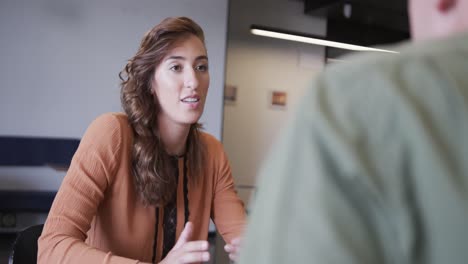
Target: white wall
x=61, y=59
x=251, y=124
x=258, y=65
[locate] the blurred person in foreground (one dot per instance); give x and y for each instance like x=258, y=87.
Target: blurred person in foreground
x=374, y=167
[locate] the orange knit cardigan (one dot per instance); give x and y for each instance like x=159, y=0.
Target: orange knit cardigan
x=97, y=216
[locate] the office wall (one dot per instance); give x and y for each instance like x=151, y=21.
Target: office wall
x=257, y=66
x=61, y=59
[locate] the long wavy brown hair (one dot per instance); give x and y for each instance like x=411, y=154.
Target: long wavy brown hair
x=152, y=167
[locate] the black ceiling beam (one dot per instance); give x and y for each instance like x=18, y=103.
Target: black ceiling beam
x=385, y=14
x=319, y=4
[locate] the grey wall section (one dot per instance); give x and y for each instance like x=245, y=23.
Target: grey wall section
x=60, y=59
x=257, y=66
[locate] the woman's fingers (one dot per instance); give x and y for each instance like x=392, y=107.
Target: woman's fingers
x=233, y=248
x=236, y=241
x=192, y=252
x=234, y=257
x=199, y=245
x=194, y=257
x=228, y=248
x=186, y=251
x=234, y=245
x=184, y=236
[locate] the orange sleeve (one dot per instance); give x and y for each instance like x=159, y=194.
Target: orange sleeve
x=228, y=210
x=82, y=190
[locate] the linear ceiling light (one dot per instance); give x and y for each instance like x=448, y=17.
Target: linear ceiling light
x=280, y=34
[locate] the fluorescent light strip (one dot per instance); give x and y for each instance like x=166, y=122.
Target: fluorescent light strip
x=316, y=41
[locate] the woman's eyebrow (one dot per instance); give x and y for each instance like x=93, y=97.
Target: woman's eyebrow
x=201, y=57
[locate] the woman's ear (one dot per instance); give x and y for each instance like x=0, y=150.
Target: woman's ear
x=151, y=88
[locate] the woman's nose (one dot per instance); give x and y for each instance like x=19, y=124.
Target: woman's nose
x=191, y=79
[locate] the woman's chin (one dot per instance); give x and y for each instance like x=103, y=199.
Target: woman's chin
x=191, y=121
x=194, y=118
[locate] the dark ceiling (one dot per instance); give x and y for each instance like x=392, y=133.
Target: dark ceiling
x=391, y=14
x=362, y=22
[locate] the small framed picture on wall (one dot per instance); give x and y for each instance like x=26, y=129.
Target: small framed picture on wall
x=230, y=94
x=278, y=99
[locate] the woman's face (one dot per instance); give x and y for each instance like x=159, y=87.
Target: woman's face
x=181, y=82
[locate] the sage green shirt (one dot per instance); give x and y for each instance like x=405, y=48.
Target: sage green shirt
x=373, y=168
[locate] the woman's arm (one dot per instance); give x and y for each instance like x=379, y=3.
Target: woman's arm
x=76, y=203
x=228, y=210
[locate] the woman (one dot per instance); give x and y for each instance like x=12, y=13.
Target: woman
x=143, y=185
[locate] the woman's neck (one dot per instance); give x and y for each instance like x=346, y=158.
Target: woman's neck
x=174, y=137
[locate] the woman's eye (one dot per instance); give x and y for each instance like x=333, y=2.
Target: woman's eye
x=202, y=68
x=176, y=68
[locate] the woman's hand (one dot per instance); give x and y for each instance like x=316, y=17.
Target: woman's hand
x=233, y=248
x=185, y=251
